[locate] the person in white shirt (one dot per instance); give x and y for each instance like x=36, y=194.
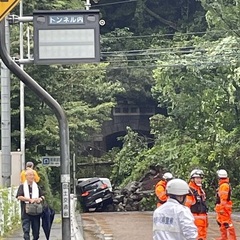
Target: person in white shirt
x=173, y=220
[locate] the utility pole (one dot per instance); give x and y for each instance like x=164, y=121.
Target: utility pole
x=6, y=117
x=22, y=86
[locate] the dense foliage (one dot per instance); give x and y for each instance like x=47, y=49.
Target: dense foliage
x=197, y=80
x=182, y=55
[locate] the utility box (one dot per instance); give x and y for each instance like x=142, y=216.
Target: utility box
x=65, y=37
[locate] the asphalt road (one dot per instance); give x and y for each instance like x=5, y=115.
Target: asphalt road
x=134, y=226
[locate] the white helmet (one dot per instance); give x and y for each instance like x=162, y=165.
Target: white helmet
x=177, y=187
x=167, y=176
x=222, y=173
x=196, y=173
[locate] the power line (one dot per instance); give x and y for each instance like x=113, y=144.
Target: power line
x=156, y=59
x=182, y=54
x=149, y=66
x=199, y=60
x=106, y=4
x=152, y=52
x=170, y=34
x=148, y=49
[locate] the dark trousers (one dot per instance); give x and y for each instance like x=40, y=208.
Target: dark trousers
x=34, y=223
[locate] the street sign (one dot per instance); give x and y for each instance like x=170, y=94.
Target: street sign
x=66, y=36
x=6, y=6
x=53, y=161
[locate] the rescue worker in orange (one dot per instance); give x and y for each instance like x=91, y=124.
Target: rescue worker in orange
x=223, y=207
x=197, y=203
x=160, y=188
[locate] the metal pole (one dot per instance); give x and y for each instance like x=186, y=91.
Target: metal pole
x=87, y=5
x=63, y=130
x=74, y=174
x=28, y=43
x=22, y=104
x=6, y=115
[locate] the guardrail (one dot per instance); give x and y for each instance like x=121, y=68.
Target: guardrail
x=76, y=229
x=10, y=211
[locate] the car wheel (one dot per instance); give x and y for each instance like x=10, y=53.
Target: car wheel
x=109, y=208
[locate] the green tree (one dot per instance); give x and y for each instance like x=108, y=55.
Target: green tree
x=223, y=15
x=127, y=158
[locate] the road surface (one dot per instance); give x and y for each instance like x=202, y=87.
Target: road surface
x=133, y=226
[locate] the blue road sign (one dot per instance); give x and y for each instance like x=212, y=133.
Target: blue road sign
x=53, y=161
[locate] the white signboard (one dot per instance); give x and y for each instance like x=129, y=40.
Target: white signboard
x=53, y=161
x=65, y=196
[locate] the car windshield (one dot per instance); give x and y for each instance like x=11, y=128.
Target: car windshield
x=104, y=180
x=94, y=185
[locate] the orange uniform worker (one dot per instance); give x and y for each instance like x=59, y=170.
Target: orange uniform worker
x=197, y=203
x=160, y=188
x=223, y=207
x=23, y=173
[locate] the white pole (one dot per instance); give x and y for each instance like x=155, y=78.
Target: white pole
x=28, y=43
x=22, y=113
x=87, y=5
x=74, y=174
x=6, y=166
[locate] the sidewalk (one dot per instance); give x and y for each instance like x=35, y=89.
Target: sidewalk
x=56, y=231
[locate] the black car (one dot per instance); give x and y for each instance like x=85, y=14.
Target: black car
x=94, y=193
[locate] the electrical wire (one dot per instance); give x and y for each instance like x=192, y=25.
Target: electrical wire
x=151, y=56
x=155, y=60
x=226, y=51
x=208, y=64
x=106, y=4
x=145, y=52
x=148, y=49
x=169, y=34
x=199, y=60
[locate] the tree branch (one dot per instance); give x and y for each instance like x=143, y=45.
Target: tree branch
x=169, y=23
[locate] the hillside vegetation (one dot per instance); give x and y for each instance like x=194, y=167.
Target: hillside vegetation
x=183, y=55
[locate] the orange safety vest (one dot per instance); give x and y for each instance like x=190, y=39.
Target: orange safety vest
x=196, y=202
x=224, y=191
x=23, y=176
x=223, y=197
x=160, y=191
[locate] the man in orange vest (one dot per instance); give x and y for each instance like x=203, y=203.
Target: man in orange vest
x=197, y=203
x=223, y=207
x=160, y=188
x=29, y=165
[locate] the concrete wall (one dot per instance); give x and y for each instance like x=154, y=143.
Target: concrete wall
x=16, y=168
